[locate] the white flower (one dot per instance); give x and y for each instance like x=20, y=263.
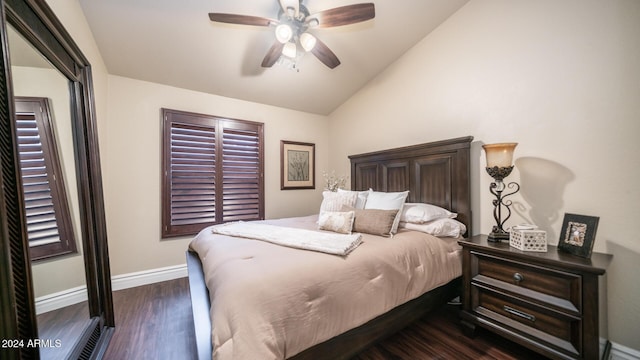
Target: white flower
x=333, y=182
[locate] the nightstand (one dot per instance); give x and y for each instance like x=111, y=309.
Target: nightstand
x=546, y=301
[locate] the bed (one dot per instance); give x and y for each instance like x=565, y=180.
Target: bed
x=434, y=173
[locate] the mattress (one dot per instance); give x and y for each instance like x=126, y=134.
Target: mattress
x=272, y=302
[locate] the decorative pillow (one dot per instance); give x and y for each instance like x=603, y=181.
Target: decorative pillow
x=373, y=221
x=420, y=213
x=441, y=227
x=387, y=201
x=334, y=201
x=336, y=221
x=361, y=199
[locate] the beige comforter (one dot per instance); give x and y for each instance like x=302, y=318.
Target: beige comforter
x=272, y=302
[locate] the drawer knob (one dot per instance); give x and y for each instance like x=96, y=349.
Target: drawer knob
x=517, y=277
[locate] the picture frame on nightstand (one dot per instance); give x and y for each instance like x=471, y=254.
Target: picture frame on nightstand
x=578, y=234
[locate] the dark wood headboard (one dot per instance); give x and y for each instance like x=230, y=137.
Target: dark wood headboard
x=435, y=173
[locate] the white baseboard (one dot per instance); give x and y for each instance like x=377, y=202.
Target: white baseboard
x=125, y=281
x=61, y=299
x=120, y=282
x=621, y=352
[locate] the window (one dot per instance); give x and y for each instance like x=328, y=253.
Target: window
x=49, y=226
x=213, y=171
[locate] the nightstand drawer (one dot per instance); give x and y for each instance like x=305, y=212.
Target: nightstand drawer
x=557, y=329
x=547, y=301
x=542, y=283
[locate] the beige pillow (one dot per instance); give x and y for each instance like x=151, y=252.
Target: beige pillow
x=334, y=201
x=387, y=201
x=373, y=221
x=340, y=222
x=361, y=197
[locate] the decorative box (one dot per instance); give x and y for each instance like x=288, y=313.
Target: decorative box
x=528, y=238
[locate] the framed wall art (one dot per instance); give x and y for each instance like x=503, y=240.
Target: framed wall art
x=578, y=234
x=297, y=165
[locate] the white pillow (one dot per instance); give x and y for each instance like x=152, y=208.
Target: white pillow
x=334, y=201
x=361, y=198
x=420, y=213
x=340, y=222
x=387, y=201
x=441, y=227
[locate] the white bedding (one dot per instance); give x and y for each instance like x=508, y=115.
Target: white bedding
x=272, y=302
x=322, y=241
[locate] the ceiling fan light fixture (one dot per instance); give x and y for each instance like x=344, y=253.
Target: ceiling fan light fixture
x=291, y=28
x=284, y=33
x=291, y=12
x=290, y=50
x=313, y=22
x=307, y=41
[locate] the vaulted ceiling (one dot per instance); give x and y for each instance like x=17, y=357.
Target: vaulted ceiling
x=174, y=43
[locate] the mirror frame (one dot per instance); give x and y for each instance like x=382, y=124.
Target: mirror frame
x=35, y=21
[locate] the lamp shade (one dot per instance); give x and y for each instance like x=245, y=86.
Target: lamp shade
x=500, y=155
x=290, y=50
x=307, y=41
x=284, y=33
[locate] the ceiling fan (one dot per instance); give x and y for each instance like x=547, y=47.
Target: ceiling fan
x=293, y=23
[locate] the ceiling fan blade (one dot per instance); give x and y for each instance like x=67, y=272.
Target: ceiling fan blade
x=325, y=55
x=241, y=19
x=294, y=4
x=273, y=54
x=343, y=15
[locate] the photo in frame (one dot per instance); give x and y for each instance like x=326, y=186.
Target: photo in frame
x=578, y=234
x=297, y=165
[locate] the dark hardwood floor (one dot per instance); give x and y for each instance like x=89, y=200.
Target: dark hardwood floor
x=439, y=336
x=155, y=322
x=64, y=326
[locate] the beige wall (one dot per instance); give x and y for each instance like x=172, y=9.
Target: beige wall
x=562, y=79
x=70, y=14
x=132, y=174
x=129, y=128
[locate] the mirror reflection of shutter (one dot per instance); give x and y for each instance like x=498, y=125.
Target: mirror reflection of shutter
x=46, y=207
x=241, y=171
x=192, y=177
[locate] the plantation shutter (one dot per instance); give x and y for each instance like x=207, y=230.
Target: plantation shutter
x=48, y=216
x=192, y=175
x=241, y=172
x=212, y=172
x=41, y=215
